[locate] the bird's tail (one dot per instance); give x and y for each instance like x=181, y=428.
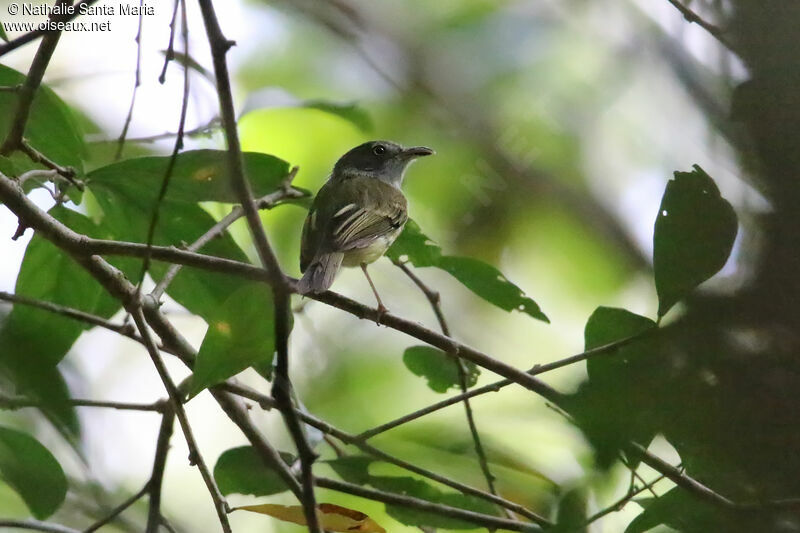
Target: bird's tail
x=320, y=273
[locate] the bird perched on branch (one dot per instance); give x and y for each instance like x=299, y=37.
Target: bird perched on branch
x=357, y=214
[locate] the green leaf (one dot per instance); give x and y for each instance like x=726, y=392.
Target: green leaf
x=481, y=278
x=694, y=235
x=355, y=469
x=33, y=341
x=198, y=176
x=51, y=127
x=32, y=471
x=3, y=33
x=275, y=98
x=686, y=513
x=571, y=517
x=241, y=471
x=439, y=368
x=611, y=407
x=239, y=336
x=350, y=112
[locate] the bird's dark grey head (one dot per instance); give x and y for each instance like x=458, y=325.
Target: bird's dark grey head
x=383, y=160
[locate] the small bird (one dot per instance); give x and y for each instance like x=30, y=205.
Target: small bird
x=357, y=214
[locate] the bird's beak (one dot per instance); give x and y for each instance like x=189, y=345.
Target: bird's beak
x=417, y=151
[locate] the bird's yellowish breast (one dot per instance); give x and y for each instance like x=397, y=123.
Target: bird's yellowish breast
x=371, y=252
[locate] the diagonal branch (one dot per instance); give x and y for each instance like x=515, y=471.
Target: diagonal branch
x=80, y=246
x=14, y=140
x=691, y=16
x=265, y=402
x=488, y=521
x=267, y=201
x=282, y=386
x=157, y=476
x=434, y=299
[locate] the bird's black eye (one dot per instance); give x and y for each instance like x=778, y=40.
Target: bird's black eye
x=379, y=149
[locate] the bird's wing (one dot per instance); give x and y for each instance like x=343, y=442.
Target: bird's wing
x=350, y=215
x=357, y=226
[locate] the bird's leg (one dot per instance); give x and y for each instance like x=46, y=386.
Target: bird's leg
x=381, y=308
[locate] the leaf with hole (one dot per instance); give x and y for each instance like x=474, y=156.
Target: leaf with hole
x=481, y=278
x=610, y=408
x=241, y=471
x=439, y=368
x=32, y=471
x=693, y=237
x=684, y=512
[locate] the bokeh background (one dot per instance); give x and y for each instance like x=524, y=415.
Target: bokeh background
x=556, y=124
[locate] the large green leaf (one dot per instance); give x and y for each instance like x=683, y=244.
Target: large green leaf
x=241, y=471
x=239, y=336
x=50, y=128
x=355, y=469
x=198, y=176
x=686, y=513
x=33, y=341
x=439, y=368
x=693, y=237
x=32, y=471
x=127, y=192
x=479, y=277
x=610, y=407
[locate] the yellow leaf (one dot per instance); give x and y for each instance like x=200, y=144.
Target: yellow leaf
x=332, y=517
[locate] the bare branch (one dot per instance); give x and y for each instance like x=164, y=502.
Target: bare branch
x=157, y=475
x=491, y=522
x=195, y=458
x=15, y=43
x=434, y=299
x=119, y=509
x=13, y=402
x=267, y=201
x=36, y=525
x=136, y=83
x=280, y=288
x=125, y=330
x=265, y=402
x=691, y=16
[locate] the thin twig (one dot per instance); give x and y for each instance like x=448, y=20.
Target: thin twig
x=20, y=402
x=434, y=299
x=170, y=53
x=23, y=39
x=266, y=402
x=26, y=93
x=36, y=525
x=119, y=509
x=136, y=83
x=606, y=349
x=177, y=147
x=619, y=504
x=691, y=16
x=84, y=250
x=280, y=289
x=126, y=330
x=195, y=458
x=267, y=201
x=157, y=475
x=392, y=498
